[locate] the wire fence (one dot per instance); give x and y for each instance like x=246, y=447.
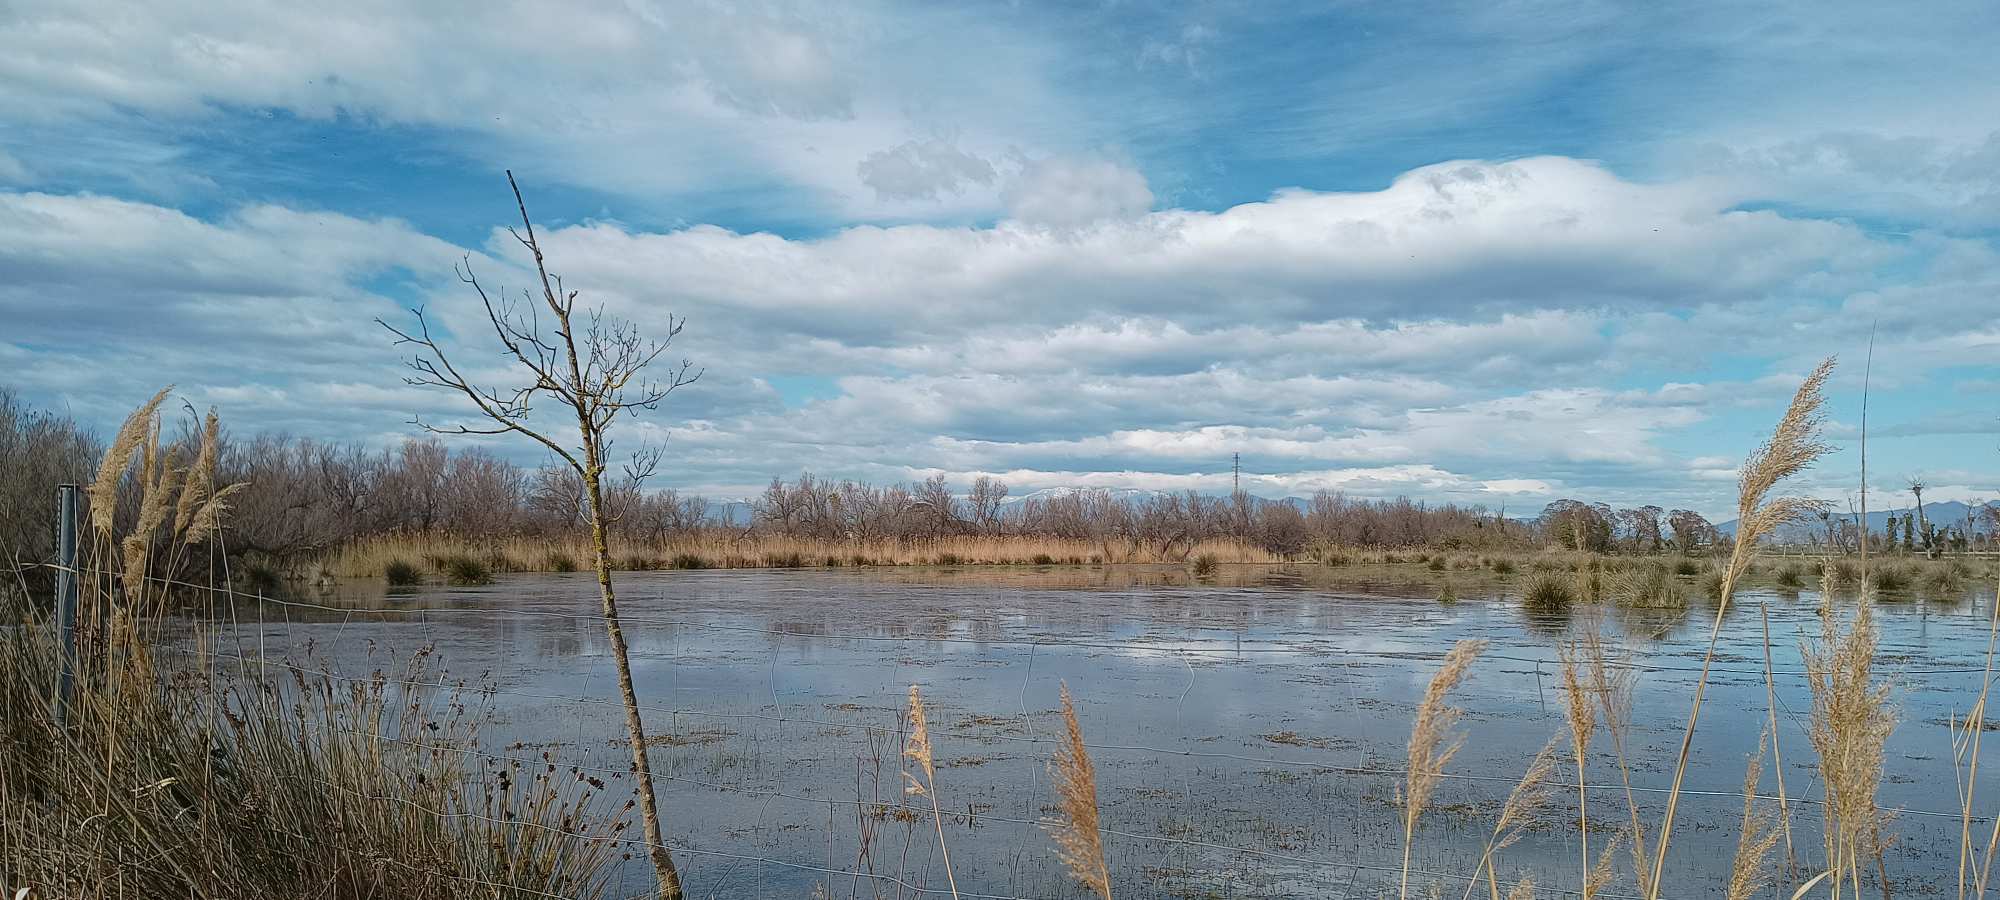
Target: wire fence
x=903, y=882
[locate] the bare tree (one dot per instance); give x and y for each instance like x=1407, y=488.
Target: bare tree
x=1923, y=523
x=987, y=495
x=594, y=368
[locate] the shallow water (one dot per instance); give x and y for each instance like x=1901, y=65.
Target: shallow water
x=1249, y=731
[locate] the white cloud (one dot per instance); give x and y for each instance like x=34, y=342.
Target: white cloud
x=1424, y=338
x=1070, y=192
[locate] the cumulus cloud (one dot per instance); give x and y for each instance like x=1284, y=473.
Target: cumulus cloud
x=923, y=170
x=1449, y=334
x=1068, y=192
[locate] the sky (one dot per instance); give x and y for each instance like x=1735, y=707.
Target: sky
x=1493, y=252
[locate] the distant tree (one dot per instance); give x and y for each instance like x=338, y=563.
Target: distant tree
x=1923, y=522
x=987, y=495
x=1578, y=526
x=934, y=502
x=1643, y=524
x=1692, y=531
x=1909, y=533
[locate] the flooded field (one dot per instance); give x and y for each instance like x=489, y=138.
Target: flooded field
x=1248, y=730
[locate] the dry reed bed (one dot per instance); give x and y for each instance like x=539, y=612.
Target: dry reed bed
x=182, y=779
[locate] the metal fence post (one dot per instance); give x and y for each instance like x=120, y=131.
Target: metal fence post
x=66, y=590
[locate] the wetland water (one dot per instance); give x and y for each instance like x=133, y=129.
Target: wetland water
x=1250, y=731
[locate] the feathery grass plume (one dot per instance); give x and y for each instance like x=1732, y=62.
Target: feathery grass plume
x=1794, y=446
x=1529, y=794
x=159, y=481
x=200, y=479
x=137, y=429
x=1079, y=841
x=1582, y=716
x=919, y=750
x=1850, y=723
x=1433, y=742
x=1600, y=875
x=1749, y=873
x=209, y=516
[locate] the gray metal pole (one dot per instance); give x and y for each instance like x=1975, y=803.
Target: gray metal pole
x=66, y=590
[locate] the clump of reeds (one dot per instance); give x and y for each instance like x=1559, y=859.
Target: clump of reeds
x=918, y=750
x=1079, y=839
x=1791, y=575
x=1547, y=592
x=558, y=561
x=402, y=573
x=206, y=781
x=1434, y=740
x=1687, y=567
x=1843, y=571
x=1650, y=586
x=465, y=570
x=1204, y=565
x=1890, y=578
x=1503, y=567
x=1447, y=593
x=300, y=788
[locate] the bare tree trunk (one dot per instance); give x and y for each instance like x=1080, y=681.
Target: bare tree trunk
x=649, y=811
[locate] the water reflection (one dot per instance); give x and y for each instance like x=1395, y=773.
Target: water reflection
x=1263, y=709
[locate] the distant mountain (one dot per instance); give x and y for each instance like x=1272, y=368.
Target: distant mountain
x=1950, y=513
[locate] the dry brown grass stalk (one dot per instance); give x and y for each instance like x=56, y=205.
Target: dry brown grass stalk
x=1794, y=446
x=1611, y=685
x=1528, y=796
x=919, y=751
x=1758, y=834
x=1582, y=719
x=1079, y=837
x=1851, y=722
x=1433, y=742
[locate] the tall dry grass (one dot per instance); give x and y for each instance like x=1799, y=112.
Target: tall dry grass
x=918, y=751
x=1434, y=740
x=176, y=775
x=1795, y=444
x=1078, y=836
x=1850, y=724
x=731, y=549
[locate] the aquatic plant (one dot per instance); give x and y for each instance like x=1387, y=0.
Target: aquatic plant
x=463, y=570
x=401, y=573
x=1547, y=592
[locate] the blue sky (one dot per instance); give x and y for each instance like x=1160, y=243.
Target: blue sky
x=1495, y=253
